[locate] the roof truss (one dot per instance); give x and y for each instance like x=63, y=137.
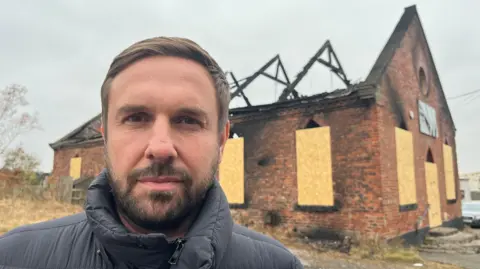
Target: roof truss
x=325, y=56
x=332, y=63
x=239, y=85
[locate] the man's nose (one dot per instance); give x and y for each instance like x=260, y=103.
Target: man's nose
x=160, y=145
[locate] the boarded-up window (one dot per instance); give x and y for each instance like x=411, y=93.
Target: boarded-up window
x=449, y=175
x=231, y=171
x=75, y=167
x=433, y=195
x=405, y=167
x=314, y=167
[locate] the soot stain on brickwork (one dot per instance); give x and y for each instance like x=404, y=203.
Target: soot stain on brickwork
x=420, y=62
x=396, y=103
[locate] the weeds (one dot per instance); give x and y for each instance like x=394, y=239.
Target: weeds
x=19, y=211
x=393, y=251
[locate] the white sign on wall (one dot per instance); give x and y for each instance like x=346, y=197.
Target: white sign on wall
x=427, y=117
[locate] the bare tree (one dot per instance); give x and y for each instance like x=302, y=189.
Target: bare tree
x=24, y=165
x=13, y=121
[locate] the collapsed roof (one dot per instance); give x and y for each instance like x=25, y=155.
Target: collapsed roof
x=89, y=132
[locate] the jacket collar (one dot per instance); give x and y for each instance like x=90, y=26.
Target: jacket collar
x=206, y=241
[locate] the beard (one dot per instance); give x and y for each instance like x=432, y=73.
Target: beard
x=160, y=210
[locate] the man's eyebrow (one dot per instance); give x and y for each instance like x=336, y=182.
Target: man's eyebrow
x=192, y=111
x=129, y=109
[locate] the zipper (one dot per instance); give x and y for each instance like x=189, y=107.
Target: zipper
x=178, y=250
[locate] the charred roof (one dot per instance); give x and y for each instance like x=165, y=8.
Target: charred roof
x=89, y=133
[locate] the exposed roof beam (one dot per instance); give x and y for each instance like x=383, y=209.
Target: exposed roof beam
x=240, y=87
x=332, y=63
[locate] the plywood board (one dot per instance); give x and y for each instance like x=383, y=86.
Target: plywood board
x=449, y=174
x=407, y=187
x=75, y=167
x=314, y=167
x=231, y=171
x=433, y=195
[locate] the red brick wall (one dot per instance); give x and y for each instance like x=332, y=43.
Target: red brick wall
x=363, y=154
x=356, y=170
x=92, y=161
x=400, y=81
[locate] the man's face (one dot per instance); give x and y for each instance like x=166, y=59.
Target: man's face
x=163, y=143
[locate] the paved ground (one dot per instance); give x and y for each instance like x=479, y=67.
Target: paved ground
x=467, y=261
x=339, y=261
x=312, y=259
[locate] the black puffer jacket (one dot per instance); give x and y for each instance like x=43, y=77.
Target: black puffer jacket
x=96, y=239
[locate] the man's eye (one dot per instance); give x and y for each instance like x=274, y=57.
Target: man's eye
x=138, y=117
x=186, y=120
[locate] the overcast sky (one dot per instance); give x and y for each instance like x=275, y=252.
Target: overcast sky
x=61, y=50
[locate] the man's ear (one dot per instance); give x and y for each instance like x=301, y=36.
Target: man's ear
x=102, y=129
x=224, y=135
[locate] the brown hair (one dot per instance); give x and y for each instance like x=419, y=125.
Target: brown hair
x=169, y=46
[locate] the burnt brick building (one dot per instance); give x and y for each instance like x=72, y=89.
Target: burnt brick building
x=377, y=157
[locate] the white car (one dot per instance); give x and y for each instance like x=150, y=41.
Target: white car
x=471, y=213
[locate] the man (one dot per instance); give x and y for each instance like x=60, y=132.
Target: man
x=157, y=204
